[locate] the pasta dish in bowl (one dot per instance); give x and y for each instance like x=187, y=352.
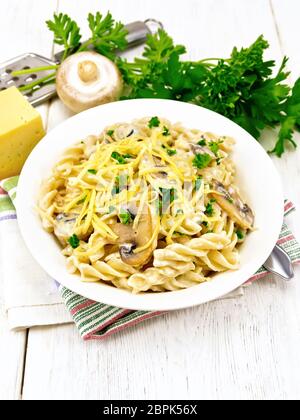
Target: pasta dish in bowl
x=140, y=211
x=147, y=205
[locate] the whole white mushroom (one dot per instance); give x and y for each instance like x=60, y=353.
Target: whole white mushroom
x=87, y=79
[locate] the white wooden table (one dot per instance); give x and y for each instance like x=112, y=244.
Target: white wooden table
x=246, y=348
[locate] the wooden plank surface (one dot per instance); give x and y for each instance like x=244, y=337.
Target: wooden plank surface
x=247, y=348
x=12, y=355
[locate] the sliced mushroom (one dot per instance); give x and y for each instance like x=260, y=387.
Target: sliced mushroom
x=231, y=202
x=130, y=239
x=124, y=131
x=64, y=227
x=158, y=164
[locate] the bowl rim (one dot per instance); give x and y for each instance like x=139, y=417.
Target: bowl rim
x=121, y=298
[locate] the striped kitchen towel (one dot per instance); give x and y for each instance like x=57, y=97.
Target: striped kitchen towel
x=96, y=320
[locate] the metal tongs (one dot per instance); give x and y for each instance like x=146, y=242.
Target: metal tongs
x=137, y=34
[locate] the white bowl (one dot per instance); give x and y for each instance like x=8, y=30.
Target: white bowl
x=257, y=178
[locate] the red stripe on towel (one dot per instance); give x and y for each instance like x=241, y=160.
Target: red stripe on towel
x=285, y=239
x=82, y=306
x=288, y=206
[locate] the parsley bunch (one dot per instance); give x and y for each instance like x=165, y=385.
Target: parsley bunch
x=66, y=32
x=242, y=87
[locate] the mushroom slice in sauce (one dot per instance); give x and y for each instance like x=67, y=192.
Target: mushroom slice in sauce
x=159, y=164
x=130, y=239
x=230, y=201
x=64, y=227
x=124, y=131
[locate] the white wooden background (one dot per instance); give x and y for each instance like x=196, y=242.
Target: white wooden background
x=246, y=348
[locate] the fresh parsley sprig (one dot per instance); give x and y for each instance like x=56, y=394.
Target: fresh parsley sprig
x=66, y=33
x=107, y=35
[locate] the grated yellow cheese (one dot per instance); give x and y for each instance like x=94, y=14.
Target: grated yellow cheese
x=74, y=202
x=103, y=228
x=174, y=228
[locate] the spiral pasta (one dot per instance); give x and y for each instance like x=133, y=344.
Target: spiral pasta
x=147, y=206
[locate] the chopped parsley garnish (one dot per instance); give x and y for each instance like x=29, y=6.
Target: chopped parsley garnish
x=74, y=241
x=121, y=159
x=240, y=234
x=125, y=217
x=218, y=160
x=209, y=210
x=215, y=147
x=110, y=133
x=154, y=122
x=202, y=142
x=166, y=131
x=111, y=209
x=171, y=152
x=205, y=224
x=92, y=171
x=201, y=161
x=198, y=183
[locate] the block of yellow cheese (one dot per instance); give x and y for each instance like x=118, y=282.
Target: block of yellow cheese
x=21, y=128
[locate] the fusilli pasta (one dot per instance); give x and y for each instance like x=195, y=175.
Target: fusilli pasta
x=147, y=206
